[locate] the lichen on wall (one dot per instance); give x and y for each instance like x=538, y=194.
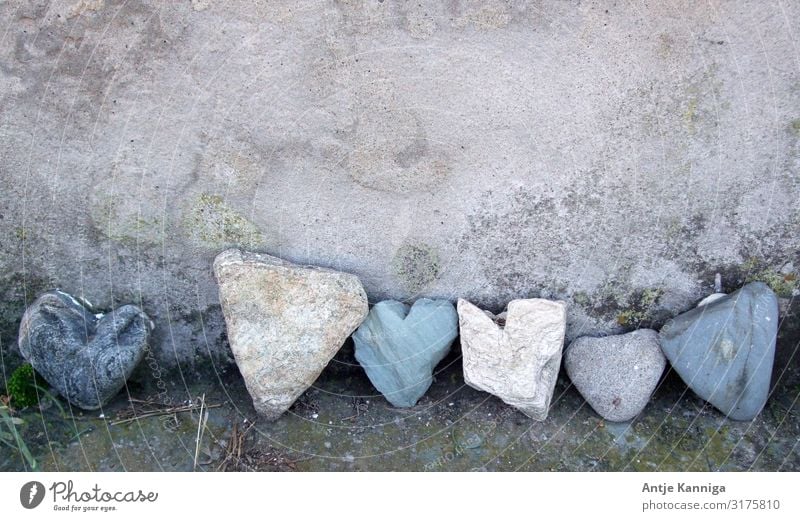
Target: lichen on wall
x=416, y=265
x=214, y=224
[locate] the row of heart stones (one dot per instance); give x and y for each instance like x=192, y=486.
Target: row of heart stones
x=286, y=322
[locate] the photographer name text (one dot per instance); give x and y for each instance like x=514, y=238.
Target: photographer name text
x=682, y=488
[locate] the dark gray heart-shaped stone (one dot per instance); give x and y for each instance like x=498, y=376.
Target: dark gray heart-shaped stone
x=399, y=346
x=87, y=358
x=725, y=350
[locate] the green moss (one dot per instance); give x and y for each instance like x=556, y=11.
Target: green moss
x=215, y=224
x=795, y=126
x=22, y=387
x=783, y=284
x=719, y=446
x=659, y=443
x=16, y=291
x=642, y=305
x=650, y=296
x=416, y=265
x=627, y=318
x=581, y=298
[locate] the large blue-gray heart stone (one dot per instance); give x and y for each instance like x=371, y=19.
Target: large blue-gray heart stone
x=725, y=350
x=87, y=358
x=399, y=346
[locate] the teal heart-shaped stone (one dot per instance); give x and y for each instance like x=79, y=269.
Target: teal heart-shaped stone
x=400, y=345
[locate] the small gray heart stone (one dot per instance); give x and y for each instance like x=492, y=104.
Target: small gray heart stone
x=616, y=374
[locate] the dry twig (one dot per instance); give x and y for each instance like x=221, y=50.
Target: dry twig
x=200, y=428
x=148, y=409
x=239, y=458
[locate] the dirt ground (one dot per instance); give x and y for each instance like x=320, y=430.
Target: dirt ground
x=342, y=424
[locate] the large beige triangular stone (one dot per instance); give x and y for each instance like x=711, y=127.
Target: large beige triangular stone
x=285, y=322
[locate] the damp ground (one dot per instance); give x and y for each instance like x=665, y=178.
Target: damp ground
x=342, y=424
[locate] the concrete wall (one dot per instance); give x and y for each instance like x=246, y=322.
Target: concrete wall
x=612, y=154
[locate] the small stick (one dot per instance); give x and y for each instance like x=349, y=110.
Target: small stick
x=163, y=412
x=199, y=431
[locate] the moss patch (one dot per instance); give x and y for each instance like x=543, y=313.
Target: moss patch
x=214, y=223
x=22, y=387
x=582, y=299
x=416, y=265
x=16, y=291
x=783, y=284
x=641, y=307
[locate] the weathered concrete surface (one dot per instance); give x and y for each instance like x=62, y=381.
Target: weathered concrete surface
x=614, y=157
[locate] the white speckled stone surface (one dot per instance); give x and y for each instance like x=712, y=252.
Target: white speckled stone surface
x=616, y=374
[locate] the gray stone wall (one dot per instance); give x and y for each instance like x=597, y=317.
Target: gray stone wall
x=615, y=156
